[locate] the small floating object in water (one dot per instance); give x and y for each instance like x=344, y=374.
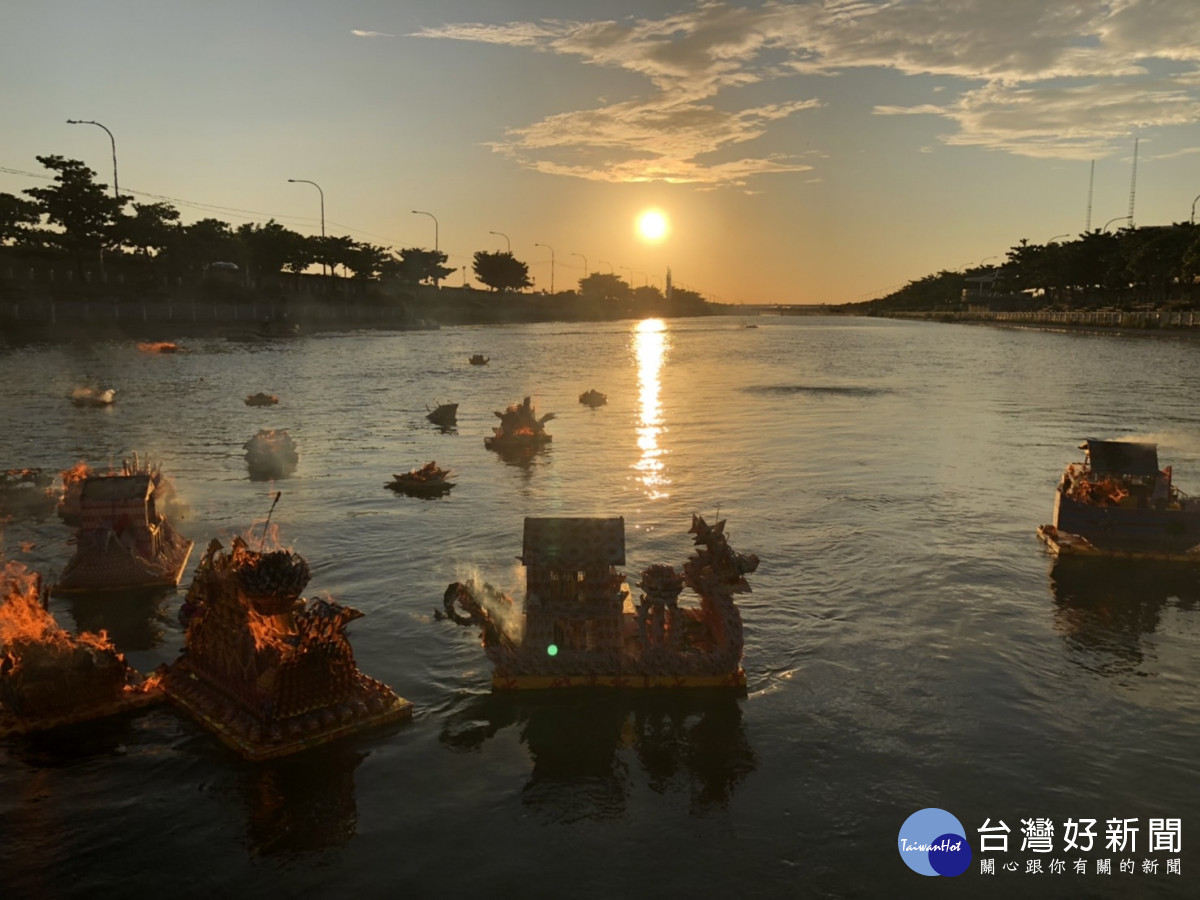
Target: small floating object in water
x=593, y=398
x=271, y=454
x=520, y=428
x=426, y=481
x=267, y=671
x=261, y=399
x=479, y=359
x=86, y=396
x=445, y=415
x=158, y=347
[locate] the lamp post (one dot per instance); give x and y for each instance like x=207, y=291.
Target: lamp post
x=1110, y=221
x=551, y=249
x=417, y=212
x=584, y=258
x=630, y=271
x=1194, y=209
x=506, y=240
x=324, y=268
x=319, y=191
x=605, y=262
x=113, y=140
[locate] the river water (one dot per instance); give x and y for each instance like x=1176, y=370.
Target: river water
x=908, y=642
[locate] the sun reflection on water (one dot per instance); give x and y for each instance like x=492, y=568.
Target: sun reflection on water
x=650, y=345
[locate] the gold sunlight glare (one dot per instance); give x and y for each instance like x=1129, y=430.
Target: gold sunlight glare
x=652, y=225
x=650, y=346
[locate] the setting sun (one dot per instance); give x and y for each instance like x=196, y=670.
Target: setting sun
x=652, y=225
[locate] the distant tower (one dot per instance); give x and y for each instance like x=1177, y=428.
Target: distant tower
x=1133, y=183
x=1091, y=184
x=668, y=292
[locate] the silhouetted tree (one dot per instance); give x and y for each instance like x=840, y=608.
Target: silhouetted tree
x=200, y=244
x=332, y=251
x=501, y=271
x=366, y=260
x=153, y=226
x=16, y=216
x=1154, y=258
x=270, y=247
x=415, y=266
x=604, y=286
x=79, y=206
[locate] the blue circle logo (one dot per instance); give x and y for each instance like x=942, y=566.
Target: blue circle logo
x=933, y=842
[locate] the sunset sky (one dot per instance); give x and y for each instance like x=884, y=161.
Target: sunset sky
x=802, y=152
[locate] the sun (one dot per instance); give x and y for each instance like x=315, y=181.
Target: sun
x=652, y=224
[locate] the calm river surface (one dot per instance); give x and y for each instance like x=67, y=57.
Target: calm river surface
x=908, y=644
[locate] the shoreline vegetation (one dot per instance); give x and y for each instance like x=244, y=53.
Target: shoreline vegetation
x=1133, y=279
x=48, y=305
x=78, y=262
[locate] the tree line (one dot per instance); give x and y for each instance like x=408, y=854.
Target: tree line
x=1149, y=266
x=78, y=218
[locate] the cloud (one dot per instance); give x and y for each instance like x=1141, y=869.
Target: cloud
x=1061, y=79
x=658, y=140
x=1072, y=122
x=370, y=34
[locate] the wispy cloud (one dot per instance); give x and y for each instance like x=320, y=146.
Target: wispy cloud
x=370, y=34
x=1064, y=79
x=1075, y=122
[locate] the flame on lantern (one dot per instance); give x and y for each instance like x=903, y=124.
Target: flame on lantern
x=23, y=618
x=261, y=537
x=74, y=475
x=157, y=347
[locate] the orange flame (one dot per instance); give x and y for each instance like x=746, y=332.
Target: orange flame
x=77, y=472
x=262, y=536
x=158, y=347
x=24, y=619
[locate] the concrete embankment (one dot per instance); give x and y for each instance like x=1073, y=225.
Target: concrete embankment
x=1184, y=321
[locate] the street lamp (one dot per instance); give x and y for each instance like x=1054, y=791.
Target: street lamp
x=506, y=240
x=630, y=271
x=551, y=249
x=113, y=140
x=417, y=212
x=584, y=258
x=1117, y=219
x=605, y=262
x=324, y=268
x=1056, y=237
x=319, y=191
x=1194, y=209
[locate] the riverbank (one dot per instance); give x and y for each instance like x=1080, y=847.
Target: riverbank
x=75, y=312
x=1111, y=321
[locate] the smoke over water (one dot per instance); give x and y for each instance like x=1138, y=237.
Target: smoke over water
x=1170, y=443
x=499, y=605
